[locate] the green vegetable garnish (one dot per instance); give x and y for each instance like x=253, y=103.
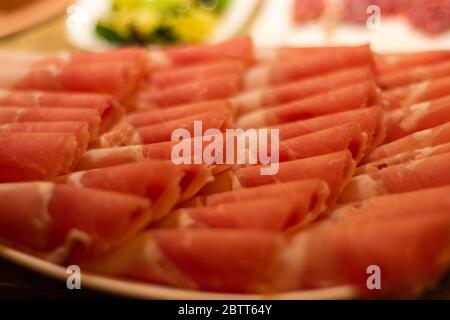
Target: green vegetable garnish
x=216, y=5
x=109, y=34
x=160, y=21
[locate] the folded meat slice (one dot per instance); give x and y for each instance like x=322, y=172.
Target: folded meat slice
x=204, y=259
x=129, y=54
x=415, y=74
x=415, y=175
x=136, y=55
x=100, y=102
x=369, y=119
x=157, y=180
x=351, y=97
x=345, y=137
x=78, y=129
x=409, y=119
x=266, y=262
x=419, y=140
x=314, y=191
x=391, y=205
x=263, y=55
x=52, y=219
x=151, y=117
x=348, y=136
x=275, y=212
x=240, y=49
x=108, y=108
x=284, y=93
x=125, y=134
x=278, y=207
x=36, y=156
x=403, y=157
x=161, y=181
x=295, y=68
x=221, y=87
x=118, y=78
x=349, y=252
x=17, y=115
x=388, y=63
x=336, y=169
x=420, y=92
x=107, y=157
x=170, y=78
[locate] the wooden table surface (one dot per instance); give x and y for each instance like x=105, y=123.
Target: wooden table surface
x=47, y=36
x=19, y=283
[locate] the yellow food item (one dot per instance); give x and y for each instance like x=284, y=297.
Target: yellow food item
x=146, y=21
x=194, y=26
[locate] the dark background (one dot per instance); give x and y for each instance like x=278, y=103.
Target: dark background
x=19, y=283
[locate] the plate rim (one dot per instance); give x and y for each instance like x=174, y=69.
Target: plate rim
x=141, y=290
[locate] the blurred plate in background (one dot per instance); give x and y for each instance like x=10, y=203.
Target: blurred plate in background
x=275, y=26
x=83, y=16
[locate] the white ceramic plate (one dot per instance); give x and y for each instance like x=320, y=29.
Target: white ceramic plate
x=140, y=290
x=83, y=15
